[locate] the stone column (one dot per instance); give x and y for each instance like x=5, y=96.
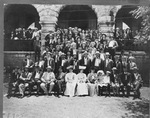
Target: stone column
x=105, y=20
x=48, y=17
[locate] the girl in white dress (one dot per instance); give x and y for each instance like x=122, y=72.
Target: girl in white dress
x=70, y=79
x=82, y=88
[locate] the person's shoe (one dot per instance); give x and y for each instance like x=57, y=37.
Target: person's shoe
x=139, y=98
x=21, y=96
x=8, y=96
x=49, y=94
x=134, y=98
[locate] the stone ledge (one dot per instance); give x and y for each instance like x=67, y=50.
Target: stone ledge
x=18, y=52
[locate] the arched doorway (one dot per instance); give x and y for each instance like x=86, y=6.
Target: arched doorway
x=124, y=16
x=19, y=15
x=82, y=16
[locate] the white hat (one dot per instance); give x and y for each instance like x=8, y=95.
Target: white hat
x=97, y=52
x=63, y=54
x=49, y=67
x=114, y=68
x=107, y=53
x=85, y=52
x=135, y=68
x=131, y=57
x=70, y=67
x=82, y=67
x=100, y=71
x=108, y=72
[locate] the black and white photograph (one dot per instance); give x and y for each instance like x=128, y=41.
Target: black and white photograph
x=76, y=61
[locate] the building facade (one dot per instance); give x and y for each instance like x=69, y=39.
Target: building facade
x=48, y=17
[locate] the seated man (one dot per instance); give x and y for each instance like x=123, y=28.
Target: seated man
x=137, y=83
x=115, y=81
x=36, y=79
x=13, y=82
x=48, y=79
x=60, y=81
x=24, y=81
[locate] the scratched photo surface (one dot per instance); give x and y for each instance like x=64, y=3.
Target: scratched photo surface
x=76, y=61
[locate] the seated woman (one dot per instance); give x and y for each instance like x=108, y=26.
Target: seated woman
x=99, y=82
x=81, y=85
x=24, y=81
x=70, y=79
x=91, y=82
x=106, y=83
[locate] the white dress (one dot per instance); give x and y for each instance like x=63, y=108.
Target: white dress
x=70, y=78
x=82, y=88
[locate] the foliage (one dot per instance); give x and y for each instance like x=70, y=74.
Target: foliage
x=144, y=13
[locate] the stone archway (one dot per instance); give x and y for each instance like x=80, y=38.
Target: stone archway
x=82, y=16
x=19, y=15
x=124, y=15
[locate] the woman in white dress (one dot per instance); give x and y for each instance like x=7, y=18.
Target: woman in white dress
x=82, y=88
x=99, y=82
x=70, y=79
x=91, y=78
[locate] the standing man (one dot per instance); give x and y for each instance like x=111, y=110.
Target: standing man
x=48, y=79
x=85, y=61
x=108, y=63
x=28, y=62
x=97, y=62
x=112, y=46
x=37, y=48
x=49, y=61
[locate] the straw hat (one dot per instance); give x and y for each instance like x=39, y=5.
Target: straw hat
x=108, y=72
x=82, y=67
x=70, y=67
x=49, y=67
x=131, y=58
x=135, y=68
x=114, y=68
x=107, y=53
x=100, y=71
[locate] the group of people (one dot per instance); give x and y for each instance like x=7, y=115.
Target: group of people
x=77, y=62
x=23, y=34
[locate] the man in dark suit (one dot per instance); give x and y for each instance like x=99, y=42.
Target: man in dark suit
x=28, y=34
x=63, y=62
x=36, y=79
x=125, y=77
x=49, y=61
x=85, y=61
x=97, y=62
x=28, y=62
x=108, y=63
x=13, y=83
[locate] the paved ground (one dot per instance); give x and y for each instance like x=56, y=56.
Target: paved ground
x=77, y=107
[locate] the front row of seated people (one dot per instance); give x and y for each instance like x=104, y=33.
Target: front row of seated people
x=71, y=84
